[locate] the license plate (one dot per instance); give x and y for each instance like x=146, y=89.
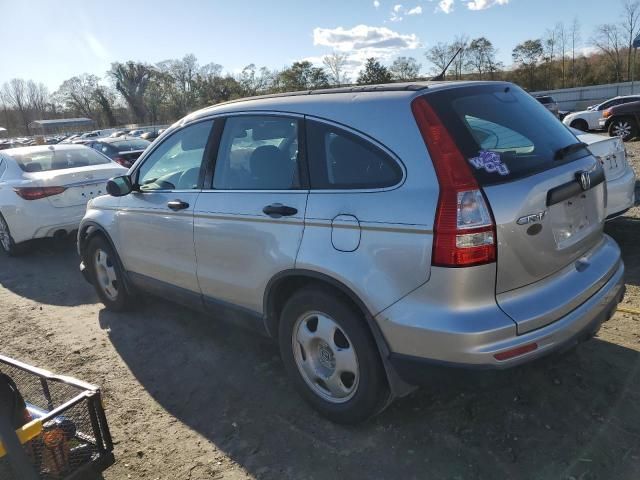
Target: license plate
x=570, y=220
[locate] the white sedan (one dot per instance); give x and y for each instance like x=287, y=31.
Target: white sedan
x=621, y=179
x=44, y=190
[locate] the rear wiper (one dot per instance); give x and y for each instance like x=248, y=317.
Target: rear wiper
x=564, y=151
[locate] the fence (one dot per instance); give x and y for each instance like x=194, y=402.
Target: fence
x=580, y=98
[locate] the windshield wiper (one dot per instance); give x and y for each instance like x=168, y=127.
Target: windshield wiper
x=564, y=151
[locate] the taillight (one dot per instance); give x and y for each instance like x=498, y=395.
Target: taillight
x=122, y=161
x=606, y=113
x=36, y=193
x=464, y=230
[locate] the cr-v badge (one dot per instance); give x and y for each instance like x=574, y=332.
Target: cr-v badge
x=533, y=218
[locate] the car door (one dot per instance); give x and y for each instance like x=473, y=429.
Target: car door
x=155, y=222
x=249, y=221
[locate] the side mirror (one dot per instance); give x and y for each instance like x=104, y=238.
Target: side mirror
x=119, y=186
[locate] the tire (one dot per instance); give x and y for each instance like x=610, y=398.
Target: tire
x=580, y=125
x=624, y=128
x=7, y=244
x=336, y=367
x=106, y=275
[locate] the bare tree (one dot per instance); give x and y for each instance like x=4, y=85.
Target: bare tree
x=575, y=43
x=608, y=38
x=131, y=80
x=461, y=42
x=335, y=64
x=631, y=28
x=77, y=94
x=481, y=55
x=563, y=41
x=550, y=43
x=405, y=69
x=14, y=94
x=439, y=56
x=105, y=98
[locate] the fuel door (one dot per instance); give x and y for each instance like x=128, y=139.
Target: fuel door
x=345, y=233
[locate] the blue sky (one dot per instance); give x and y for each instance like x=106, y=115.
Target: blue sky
x=50, y=41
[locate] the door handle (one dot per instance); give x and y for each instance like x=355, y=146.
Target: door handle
x=176, y=205
x=277, y=210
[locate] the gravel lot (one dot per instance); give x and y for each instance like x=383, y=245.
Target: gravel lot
x=190, y=398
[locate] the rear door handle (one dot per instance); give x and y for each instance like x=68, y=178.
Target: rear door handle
x=176, y=205
x=277, y=210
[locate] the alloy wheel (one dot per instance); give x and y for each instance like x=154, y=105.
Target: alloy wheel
x=106, y=274
x=325, y=357
x=622, y=129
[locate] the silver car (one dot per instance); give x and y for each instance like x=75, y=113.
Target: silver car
x=372, y=231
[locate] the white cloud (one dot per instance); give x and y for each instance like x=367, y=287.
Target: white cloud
x=362, y=42
x=415, y=11
x=483, y=4
x=376, y=3
x=397, y=8
x=445, y=6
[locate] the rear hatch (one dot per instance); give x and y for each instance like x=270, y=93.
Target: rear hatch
x=546, y=190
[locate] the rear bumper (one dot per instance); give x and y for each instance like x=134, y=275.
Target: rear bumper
x=621, y=193
x=37, y=219
x=471, y=337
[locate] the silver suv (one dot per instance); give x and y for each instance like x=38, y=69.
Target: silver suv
x=373, y=231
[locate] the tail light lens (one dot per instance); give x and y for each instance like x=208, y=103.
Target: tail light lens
x=606, y=113
x=122, y=161
x=36, y=193
x=464, y=230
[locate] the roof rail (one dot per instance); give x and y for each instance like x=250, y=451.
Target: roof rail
x=385, y=87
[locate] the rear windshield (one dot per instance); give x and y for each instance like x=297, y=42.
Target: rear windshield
x=503, y=132
x=545, y=100
x=58, y=159
x=128, y=145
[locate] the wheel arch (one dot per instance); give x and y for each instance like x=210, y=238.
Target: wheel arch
x=285, y=283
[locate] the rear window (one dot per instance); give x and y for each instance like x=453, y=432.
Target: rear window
x=503, y=132
x=128, y=145
x=545, y=100
x=58, y=159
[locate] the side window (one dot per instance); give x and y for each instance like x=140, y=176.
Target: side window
x=258, y=153
x=341, y=160
x=175, y=164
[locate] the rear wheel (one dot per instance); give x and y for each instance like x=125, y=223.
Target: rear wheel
x=106, y=275
x=7, y=244
x=330, y=355
x=624, y=128
x=580, y=125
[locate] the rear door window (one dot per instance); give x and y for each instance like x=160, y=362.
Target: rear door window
x=504, y=133
x=342, y=160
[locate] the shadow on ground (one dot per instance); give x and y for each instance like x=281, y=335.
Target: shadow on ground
x=576, y=416
x=29, y=275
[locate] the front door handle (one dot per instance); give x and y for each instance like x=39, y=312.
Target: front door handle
x=277, y=210
x=176, y=205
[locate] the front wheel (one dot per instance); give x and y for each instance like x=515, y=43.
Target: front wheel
x=106, y=275
x=331, y=356
x=624, y=128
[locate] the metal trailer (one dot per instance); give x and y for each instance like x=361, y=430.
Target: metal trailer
x=64, y=409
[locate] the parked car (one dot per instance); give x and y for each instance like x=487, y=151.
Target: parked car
x=621, y=179
x=122, y=150
x=136, y=133
x=374, y=231
x=549, y=103
x=590, y=119
x=44, y=190
x=150, y=136
x=119, y=133
x=622, y=120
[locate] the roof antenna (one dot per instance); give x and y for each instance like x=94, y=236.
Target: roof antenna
x=440, y=77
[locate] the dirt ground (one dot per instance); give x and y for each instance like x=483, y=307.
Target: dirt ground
x=189, y=397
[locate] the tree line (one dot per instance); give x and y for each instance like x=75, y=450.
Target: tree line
x=135, y=92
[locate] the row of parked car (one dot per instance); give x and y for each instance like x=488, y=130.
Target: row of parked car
x=374, y=233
